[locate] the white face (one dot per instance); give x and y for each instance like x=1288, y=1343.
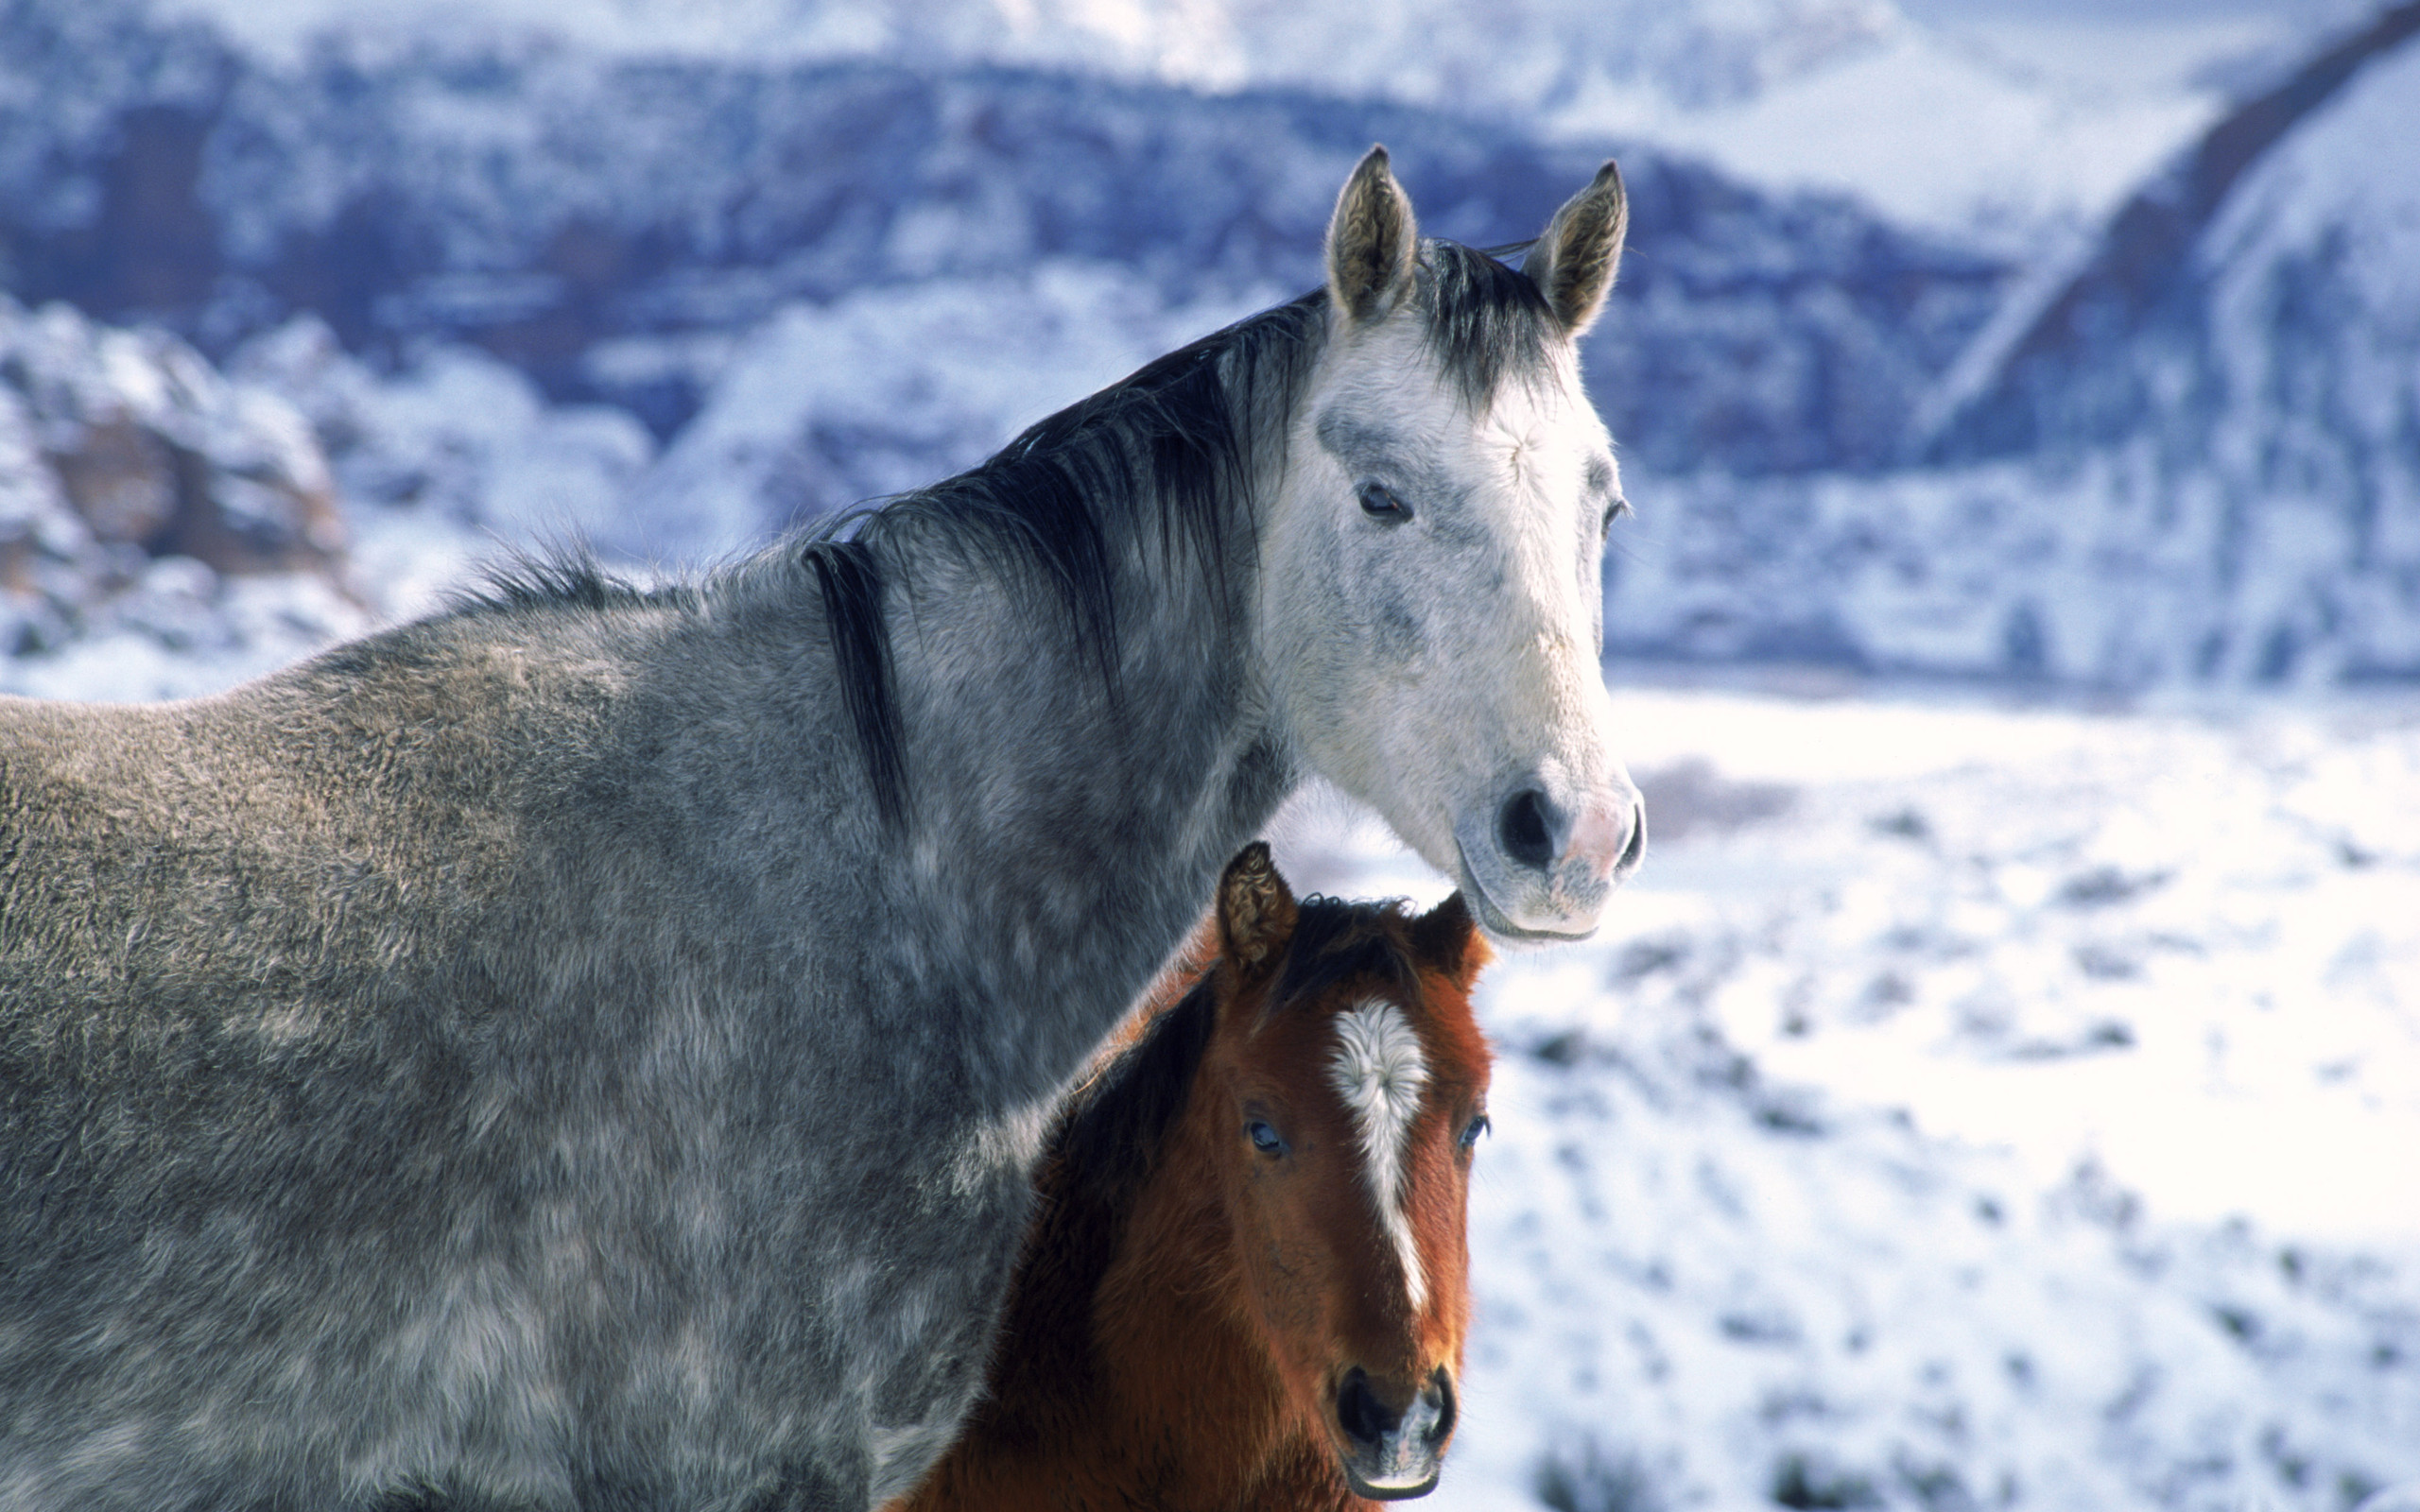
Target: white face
x=1439, y=658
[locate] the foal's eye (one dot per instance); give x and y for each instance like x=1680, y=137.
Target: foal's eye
x=1382, y=503
x=1264, y=1138
x=1476, y=1128
x=1615, y=512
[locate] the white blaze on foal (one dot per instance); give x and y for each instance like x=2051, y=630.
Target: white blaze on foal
x=1380, y=1072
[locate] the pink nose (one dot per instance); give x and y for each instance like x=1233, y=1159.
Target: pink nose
x=1602, y=841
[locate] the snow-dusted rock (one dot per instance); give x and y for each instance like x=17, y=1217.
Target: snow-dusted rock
x=132, y=472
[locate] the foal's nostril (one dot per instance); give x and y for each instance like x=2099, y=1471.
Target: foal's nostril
x=1364, y=1418
x=1441, y=1388
x=1526, y=829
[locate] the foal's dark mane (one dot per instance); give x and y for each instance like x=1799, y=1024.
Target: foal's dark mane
x=1109, y=1136
x=1059, y=503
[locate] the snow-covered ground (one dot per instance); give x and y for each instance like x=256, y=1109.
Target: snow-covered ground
x=1971, y=1104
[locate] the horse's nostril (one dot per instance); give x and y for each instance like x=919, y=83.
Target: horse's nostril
x=1526, y=829
x=1442, y=1389
x=1364, y=1418
x=1637, y=846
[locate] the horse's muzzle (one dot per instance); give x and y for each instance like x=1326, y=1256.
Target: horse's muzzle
x=1541, y=864
x=1393, y=1453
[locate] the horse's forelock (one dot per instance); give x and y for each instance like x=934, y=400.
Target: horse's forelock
x=1335, y=941
x=1486, y=321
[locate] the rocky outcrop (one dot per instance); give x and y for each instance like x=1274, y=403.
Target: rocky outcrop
x=122, y=449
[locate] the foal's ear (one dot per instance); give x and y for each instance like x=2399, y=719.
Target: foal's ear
x=1574, y=262
x=1372, y=241
x=1256, y=910
x=1447, y=937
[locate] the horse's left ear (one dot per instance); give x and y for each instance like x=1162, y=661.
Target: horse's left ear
x=1447, y=937
x=1373, y=241
x=1574, y=262
x=1255, y=908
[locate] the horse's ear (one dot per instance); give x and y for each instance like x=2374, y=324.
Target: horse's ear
x=1574, y=262
x=1372, y=241
x=1447, y=937
x=1255, y=909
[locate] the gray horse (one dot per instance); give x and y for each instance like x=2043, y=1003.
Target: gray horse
x=587, y=1049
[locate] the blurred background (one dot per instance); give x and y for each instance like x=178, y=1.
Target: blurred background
x=2002, y=1088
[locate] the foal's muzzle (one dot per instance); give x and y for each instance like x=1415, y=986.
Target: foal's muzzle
x=1394, y=1452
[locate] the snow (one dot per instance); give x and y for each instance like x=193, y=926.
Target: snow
x=184, y=630
x=1970, y=1104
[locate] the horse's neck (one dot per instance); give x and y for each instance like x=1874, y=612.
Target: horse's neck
x=1063, y=831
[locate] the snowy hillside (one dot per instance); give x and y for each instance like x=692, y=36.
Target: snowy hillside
x=671, y=302
x=608, y=225
x=1927, y=115
x=2191, y=460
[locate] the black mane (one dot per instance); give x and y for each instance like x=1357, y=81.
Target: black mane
x=568, y=575
x=1046, y=505
x=1485, y=319
x=1335, y=940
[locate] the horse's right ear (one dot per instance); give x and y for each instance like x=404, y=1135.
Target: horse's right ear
x=1573, y=263
x=1255, y=909
x=1372, y=241
x=1447, y=937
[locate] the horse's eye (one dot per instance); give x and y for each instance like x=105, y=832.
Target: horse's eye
x=1382, y=503
x=1476, y=1128
x=1615, y=512
x=1264, y=1138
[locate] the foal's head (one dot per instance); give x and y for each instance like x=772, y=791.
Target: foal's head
x=1340, y=1096
x=1433, y=594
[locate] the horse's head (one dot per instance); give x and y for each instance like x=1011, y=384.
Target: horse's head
x=1342, y=1090
x=1434, y=596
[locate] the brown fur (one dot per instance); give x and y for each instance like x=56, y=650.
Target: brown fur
x=1179, y=1347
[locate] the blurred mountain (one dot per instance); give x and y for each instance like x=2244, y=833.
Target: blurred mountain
x=555, y=205
x=1426, y=52
x=673, y=298
x=2015, y=117
x=2295, y=191
x=2246, y=338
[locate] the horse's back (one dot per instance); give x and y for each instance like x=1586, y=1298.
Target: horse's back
x=302, y=843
